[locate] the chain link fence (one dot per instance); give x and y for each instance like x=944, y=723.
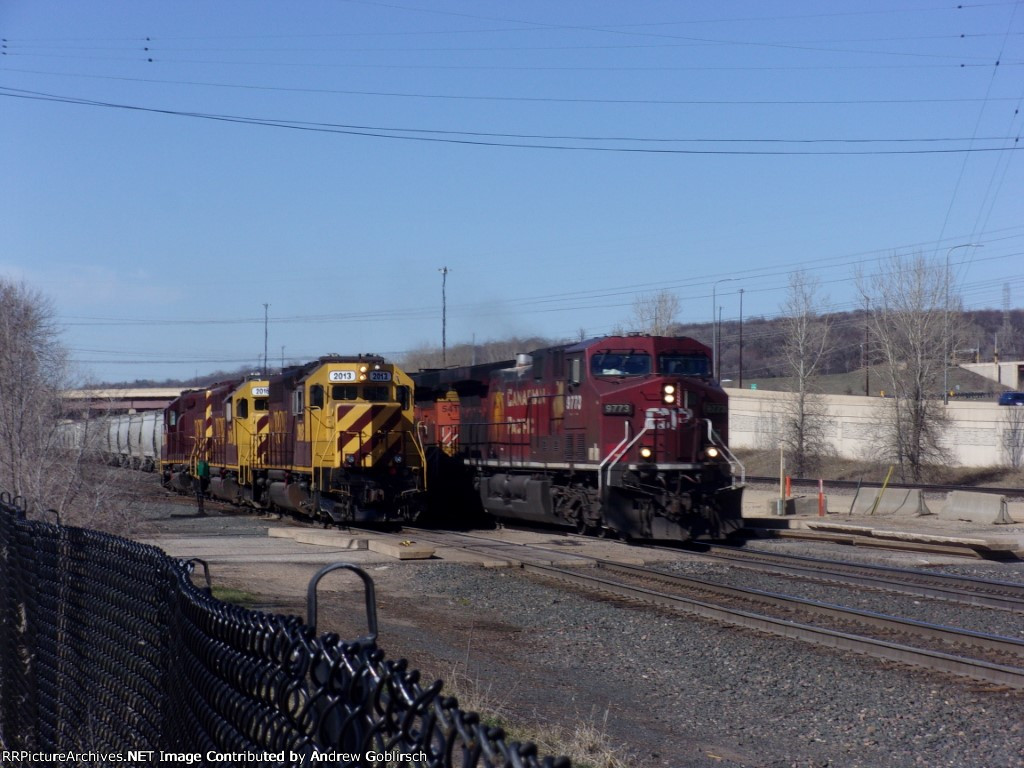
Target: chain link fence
x=111, y=655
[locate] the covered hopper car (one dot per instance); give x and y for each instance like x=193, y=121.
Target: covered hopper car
x=622, y=434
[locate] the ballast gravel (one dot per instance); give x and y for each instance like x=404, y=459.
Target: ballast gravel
x=670, y=691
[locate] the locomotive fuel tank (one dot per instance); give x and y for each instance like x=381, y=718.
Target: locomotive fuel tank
x=518, y=496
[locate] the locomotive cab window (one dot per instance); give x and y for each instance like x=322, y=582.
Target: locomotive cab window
x=243, y=408
x=344, y=392
x=402, y=395
x=376, y=394
x=316, y=396
x=227, y=412
x=620, y=364
x=297, y=401
x=259, y=404
x=684, y=365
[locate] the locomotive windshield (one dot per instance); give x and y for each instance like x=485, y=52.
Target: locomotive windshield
x=684, y=365
x=620, y=364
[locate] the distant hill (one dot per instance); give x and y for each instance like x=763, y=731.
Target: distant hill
x=762, y=343
x=761, y=360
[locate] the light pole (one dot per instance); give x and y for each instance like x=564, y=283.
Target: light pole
x=714, y=324
x=444, y=316
x=741, y=338
x=945, y=325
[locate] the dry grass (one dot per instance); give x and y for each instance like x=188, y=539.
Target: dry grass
x=585, y=742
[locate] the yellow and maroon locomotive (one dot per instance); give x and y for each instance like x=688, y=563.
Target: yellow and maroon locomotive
x=333, y=440
x=622, y=434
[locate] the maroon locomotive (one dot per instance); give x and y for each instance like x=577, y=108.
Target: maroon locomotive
x=622, y=434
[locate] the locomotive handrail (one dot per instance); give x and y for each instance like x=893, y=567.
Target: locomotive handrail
x=615, y=456
x=716, y=440
x=417, y=443
x=320, y=427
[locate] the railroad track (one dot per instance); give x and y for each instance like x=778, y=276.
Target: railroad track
x=1001, y=595
x=989, y=658
x=997, y=660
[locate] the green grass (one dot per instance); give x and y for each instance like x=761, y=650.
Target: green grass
x=236, y=596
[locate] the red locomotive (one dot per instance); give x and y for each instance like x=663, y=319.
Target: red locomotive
x=622, y=434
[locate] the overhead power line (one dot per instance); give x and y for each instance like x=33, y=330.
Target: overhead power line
x=454, y=137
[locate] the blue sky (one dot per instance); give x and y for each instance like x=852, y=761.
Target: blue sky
x=171, y=167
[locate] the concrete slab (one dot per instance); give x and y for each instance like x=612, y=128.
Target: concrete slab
x=284, y=533
x=401, y=550
x=335, y=539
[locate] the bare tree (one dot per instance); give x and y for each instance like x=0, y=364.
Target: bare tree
x=44, y=464
x=1013, y=436
x=32, y=368
x=654, y=313
x=912, y=324
x=805, y=348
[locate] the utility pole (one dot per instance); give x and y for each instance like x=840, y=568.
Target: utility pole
x=444, y=316
x=714, y=325
x=946, y=351
x=265, y=308
x=867, y=353
x=741, y=338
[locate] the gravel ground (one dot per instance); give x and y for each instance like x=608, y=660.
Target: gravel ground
x=671, y=691
x=666, y=691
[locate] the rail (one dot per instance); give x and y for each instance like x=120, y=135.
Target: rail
x=928, y=658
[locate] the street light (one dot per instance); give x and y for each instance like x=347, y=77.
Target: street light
x=945, y=330
x=714, y=325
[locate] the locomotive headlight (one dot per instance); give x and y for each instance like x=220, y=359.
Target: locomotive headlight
x=711, y=452
x=398, y=458
x=363, y=368
x=350, y=459
x=668, y=393
x=646, y=452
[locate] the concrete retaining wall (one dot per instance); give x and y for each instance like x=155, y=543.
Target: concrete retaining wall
x=977, y=434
